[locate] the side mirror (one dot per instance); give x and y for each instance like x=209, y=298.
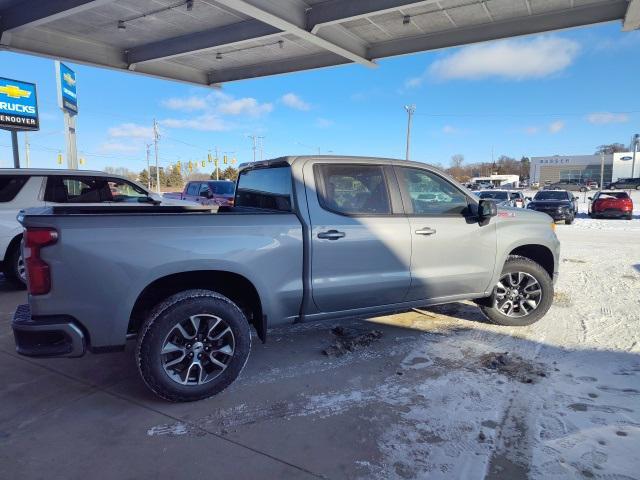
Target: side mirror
x=529, y=198
x=487, y=209
x=590, y=198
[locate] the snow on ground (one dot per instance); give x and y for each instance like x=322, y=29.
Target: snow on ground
x=581, y=419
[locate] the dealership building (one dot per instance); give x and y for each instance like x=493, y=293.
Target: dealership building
x=582, y=167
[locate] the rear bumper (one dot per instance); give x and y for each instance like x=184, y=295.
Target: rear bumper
x=56, y=336
x=612, y=213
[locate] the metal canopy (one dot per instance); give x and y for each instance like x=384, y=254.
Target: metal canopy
x=215, y=41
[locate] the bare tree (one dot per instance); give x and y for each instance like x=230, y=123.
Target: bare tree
x=457, y=160
x=610, y=148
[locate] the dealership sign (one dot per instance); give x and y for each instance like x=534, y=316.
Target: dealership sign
x=626, y=158
x=67, y=96
x=18, y=105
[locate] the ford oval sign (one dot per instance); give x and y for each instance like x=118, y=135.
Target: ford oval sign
x=626, y=158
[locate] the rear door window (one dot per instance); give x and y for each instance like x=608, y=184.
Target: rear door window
x=268, y=188
x=10, y=186
x=62, y=189
x=353, y=189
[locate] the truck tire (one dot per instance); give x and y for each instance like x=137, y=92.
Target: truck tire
x=523, y=295
x=14, y=268
x=569, y=220
x=193, y=345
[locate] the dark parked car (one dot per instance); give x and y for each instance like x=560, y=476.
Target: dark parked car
x=212, y=192
x=611, y=204
x=626, y=183
x=558, y=204
x=571, y=185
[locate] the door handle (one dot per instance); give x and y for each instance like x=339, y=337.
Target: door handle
x=425, y=231
x=331, y=235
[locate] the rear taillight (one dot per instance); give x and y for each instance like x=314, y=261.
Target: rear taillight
x=38, y=274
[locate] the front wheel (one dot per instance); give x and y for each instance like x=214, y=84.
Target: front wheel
x=569, y=221
x=522, y=296
x=193, y=346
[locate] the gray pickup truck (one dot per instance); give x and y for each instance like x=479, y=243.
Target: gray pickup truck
x=308, y=238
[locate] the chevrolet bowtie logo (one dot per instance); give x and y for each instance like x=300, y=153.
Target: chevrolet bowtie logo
x=13, y=91
x=69, y=79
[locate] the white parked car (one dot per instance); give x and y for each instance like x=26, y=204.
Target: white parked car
x=26, y=188
x=508, y=198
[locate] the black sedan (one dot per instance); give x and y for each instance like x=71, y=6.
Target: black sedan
x=558, y=204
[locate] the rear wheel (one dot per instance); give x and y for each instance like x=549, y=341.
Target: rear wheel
x=14, y=268
x=522, y=296
x=569, y=221
x=193, y=346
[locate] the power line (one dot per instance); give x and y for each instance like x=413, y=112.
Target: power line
x=555, y=114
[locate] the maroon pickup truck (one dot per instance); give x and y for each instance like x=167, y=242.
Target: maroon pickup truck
x=207, y=192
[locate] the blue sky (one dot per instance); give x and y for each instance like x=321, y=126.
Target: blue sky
x=559, y=93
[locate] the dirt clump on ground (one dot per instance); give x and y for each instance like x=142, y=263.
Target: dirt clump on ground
x=513, y=366
x=347, y=341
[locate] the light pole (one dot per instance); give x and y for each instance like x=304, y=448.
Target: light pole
x=636, y=141
x=156, y=135
x=411, y=109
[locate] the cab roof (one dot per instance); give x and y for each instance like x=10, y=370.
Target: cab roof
x=55, y=171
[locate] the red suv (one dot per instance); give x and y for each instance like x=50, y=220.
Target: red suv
x=611, y=204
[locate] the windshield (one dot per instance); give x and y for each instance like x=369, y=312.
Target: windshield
x=494, y=195
x=547, y=195
x=222, y=188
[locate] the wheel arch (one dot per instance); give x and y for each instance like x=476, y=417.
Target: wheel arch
x=234, y=286
x=12, y=244
x=540, y=254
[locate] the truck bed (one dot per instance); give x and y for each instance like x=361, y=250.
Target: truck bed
x=129, y=248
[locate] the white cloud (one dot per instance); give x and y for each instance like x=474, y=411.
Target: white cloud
x=555, y=127
x=131, y=130
x=292, y=100
x=531, y=130
x=213, y=107
x=449, y=130
x=324, y=123
x=203, y=123
x=117, y=147
x=601, y=118
x=188, y=104
x=514, y=59
x=244, y=106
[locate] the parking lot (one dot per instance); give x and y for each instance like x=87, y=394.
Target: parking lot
x=441, y=393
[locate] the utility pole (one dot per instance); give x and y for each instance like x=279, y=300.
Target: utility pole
x=27, y=149
x=260, y=142
x=636, y=141
x=411, y=109
x=601, y=170
x=156, y=136
x=148, y=167
x=253, y=139
x=217, y=166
